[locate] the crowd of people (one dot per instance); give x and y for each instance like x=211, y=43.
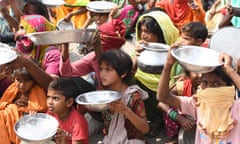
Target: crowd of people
x=44, y=79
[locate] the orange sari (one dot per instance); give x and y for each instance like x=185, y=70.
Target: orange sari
x=62, y=11
x=10, y=113
x=180, y=13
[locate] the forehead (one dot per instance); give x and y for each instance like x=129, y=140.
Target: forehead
x=211, y=77
x=52, y=92
x=104, y=63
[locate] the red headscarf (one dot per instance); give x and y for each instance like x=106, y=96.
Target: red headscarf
x=112, y=34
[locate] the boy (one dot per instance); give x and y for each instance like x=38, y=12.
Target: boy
x=60, y=101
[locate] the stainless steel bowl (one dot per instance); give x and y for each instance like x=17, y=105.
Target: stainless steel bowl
x=152, y=59
x=6, y=54
x=98, y=100
x=197, y=59
x=64, y=25
x=36, y=128
x=64, y=36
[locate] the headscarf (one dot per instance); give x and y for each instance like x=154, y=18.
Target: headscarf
x=170, y=33
x=214, y=111
x=31, y=24
x=112, y=34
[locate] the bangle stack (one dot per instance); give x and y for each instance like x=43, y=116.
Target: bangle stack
x=172, y=114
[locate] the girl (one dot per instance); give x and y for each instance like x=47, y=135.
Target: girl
x=125, y=122
x=22, y=96
x=60, y=102
x=215, y=102
x=154, y=26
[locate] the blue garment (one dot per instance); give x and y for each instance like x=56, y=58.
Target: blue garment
x=236, y=20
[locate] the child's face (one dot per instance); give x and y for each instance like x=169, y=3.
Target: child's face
x=22, y=85
x=211, y=80
x=56, y=102
x=99, y=18
x=188, y=40
x=147, y=36
x=109, y=76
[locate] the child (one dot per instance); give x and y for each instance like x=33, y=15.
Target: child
x=22, y=96
x=60, y=101
x=112, y=36
x=125, y=122
x=153, y=26
x=215, y=86
x=193, y=33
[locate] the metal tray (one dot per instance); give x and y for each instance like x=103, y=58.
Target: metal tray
x=6, y=54
x=226, y=40
x=64, y=36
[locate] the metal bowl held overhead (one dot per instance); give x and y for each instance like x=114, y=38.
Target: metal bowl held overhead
x=63, y=36
x=53, y=3
x=36, y=128
x=100, y=6
x=98, y=100
x=197, y=59
x=6, y=54
x=152, y=59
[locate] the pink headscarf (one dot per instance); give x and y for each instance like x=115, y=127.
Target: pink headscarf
x=30, y=24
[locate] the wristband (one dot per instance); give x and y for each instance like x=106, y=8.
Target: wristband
x=173, y=115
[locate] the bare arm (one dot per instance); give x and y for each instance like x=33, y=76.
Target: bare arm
x=11, y=21
x=78, y=12
x=229, y=70
x=39, y=74
x=163, y=92
x=140, y=123
x=16, y=9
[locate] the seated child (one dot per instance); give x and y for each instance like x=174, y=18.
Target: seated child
x=60, y=101
x=22, y=96
x=125, y=121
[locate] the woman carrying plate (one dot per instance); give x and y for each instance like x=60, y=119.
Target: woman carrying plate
x=47, y=57
x=72, y=10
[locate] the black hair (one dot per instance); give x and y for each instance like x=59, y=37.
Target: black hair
x=120, y=61
x=23, y=73
x=219, y=72
x=196, y=30
x=39, y=7
x=71, y=87
x=153, y=27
